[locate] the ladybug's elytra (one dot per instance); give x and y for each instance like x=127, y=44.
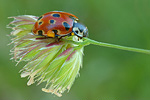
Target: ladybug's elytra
x=57, y=23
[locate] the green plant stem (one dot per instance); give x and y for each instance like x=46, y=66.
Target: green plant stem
x=88, y=41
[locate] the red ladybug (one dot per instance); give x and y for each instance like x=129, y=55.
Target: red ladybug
x=57, y=23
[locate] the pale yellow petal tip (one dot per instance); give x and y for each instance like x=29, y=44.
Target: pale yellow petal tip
x=25, y=74
x=51, y=91
x=31, y=81
x=68, y=88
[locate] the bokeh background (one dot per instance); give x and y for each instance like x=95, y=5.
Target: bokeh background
x=107, y=74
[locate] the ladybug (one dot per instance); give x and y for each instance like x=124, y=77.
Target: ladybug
x=58, y=23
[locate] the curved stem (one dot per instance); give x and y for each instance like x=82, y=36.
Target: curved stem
x=90, y=41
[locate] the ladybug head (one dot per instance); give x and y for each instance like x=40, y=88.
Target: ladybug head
x=80, y=30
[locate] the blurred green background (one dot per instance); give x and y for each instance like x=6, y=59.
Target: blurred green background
x=107, y=74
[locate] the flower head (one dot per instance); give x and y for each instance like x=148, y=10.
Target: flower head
x=57, y=63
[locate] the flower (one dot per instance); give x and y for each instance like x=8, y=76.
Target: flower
x=55, y=62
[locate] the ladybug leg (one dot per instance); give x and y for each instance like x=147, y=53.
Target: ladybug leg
x=60, y=37
x=78, y=38
x=56, y=39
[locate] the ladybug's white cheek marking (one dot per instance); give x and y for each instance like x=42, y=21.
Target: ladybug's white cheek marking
x=77, y=31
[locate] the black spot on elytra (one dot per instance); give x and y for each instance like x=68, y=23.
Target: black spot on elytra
x=40, y=17
x=66, y=25
x=52, y=21
x=40, y=32
x=40, y=23
x=56, y=15
x=55, y=31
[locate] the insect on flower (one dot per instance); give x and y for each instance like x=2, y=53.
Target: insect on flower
x=54, y=24
x=57, y=63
